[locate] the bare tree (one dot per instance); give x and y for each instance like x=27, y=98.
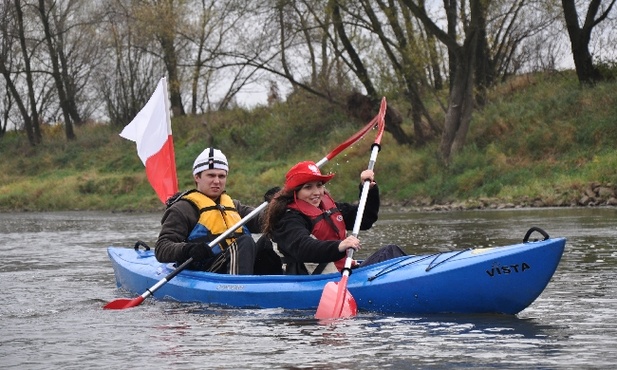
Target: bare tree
x=580, y=36
x=28, y=73
x=460, y=101
x=157, y=24
x=390, y=45
x=131, y=72
x=15, y=96
x=211, y=26
x=400, y=51
x=148, y=39
x=198, y=34
x=314, y=53
x=5, y=111
x=348, y=52
x=54, y=40
x=54, y=52
x=516, y=28
x=14, y=33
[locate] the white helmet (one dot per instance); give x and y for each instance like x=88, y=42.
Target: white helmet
x=210, y=159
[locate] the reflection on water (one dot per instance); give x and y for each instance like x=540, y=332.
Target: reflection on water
x=55, y=277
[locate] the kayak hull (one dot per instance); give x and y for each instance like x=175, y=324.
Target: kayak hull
x=502, y=280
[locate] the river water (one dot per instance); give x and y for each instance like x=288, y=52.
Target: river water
x=55, y=277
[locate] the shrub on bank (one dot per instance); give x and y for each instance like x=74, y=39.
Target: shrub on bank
x=540, y=141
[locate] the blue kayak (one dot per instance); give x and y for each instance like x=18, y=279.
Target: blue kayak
x=502, y=280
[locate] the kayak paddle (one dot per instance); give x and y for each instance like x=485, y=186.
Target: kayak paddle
x=336, y=300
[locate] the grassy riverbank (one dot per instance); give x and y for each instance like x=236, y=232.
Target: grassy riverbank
x=541, y=141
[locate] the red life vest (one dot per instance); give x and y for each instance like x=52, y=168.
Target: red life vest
x=328, y=223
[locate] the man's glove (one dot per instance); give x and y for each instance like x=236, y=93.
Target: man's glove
x=198, y=251
x=270, y=193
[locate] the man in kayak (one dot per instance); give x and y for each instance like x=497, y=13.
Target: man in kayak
x=309, y=227
x=196, y=217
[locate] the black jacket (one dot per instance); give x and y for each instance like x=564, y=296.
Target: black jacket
x=293, y=235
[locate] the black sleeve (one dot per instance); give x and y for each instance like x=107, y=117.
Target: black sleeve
x=294, y=239
x=177, y=223
x=371, y=210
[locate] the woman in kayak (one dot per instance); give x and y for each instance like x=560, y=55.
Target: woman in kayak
x=309, y=227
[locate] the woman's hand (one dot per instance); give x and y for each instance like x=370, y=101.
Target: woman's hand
x=349, y=242
x=368, y=175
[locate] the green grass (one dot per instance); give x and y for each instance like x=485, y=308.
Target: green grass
x=539, y=137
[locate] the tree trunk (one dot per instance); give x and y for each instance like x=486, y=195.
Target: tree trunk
x=360, y=70
x=358, y=104
x=586, y=72
x=171, y=63
x=434, y=58
x=67, y=82
x=450, y=6
x=166, y=38
x=421, y=133
x=458, y=117
x=53, y=55
x=20, y=104
x=461, y=100
x=484, y=73
x=34, y=116
x=453, y=115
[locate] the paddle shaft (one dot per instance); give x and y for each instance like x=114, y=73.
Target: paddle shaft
x=366, y=186
x=361, y=206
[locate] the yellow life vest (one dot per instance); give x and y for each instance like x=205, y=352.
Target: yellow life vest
x=214, y=219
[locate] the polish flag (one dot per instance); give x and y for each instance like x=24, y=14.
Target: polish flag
x=151, y=131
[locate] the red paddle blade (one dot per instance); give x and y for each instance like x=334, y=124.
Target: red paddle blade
x=336, y=301
x=122, y=303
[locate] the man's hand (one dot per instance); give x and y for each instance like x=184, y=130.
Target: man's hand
x=199, y=251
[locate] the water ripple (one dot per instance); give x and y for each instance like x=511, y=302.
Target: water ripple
x=55, y=277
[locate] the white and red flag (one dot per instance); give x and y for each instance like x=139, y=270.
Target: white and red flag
x=151, y=132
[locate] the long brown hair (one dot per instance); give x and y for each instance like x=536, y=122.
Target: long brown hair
x=277, y=208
